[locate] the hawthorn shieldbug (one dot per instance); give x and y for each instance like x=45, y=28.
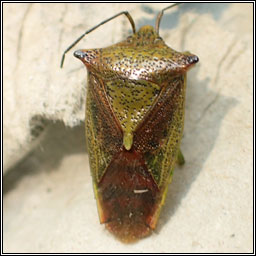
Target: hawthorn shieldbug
x=134, y=125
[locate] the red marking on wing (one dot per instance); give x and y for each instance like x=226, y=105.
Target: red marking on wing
x=128, y=196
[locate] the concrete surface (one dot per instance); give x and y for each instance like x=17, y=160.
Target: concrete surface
x=48, y=199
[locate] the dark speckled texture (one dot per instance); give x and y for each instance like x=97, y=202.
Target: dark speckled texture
x=135, y=117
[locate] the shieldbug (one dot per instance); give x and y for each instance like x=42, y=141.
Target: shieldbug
x=134, y=125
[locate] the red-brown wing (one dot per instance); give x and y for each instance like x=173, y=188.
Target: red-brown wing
x=159, y=134
x=103, y=132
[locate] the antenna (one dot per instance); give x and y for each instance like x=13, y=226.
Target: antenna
x=90, y=30
x=160, y=15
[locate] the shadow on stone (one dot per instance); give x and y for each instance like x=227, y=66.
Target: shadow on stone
x=205, y=110
x=57, y=142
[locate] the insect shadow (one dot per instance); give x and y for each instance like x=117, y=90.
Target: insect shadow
x=56, y=143
x=202, y=125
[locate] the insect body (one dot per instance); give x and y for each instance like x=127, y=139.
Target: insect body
x=134, y=124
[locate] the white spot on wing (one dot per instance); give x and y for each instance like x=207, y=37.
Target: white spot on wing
x=139, y=191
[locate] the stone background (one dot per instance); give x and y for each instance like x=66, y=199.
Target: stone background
x=48, y=201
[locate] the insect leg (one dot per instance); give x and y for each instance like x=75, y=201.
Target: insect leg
x=180, y=158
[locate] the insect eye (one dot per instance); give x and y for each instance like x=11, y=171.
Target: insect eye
x=158, y=39
x=129, y=39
